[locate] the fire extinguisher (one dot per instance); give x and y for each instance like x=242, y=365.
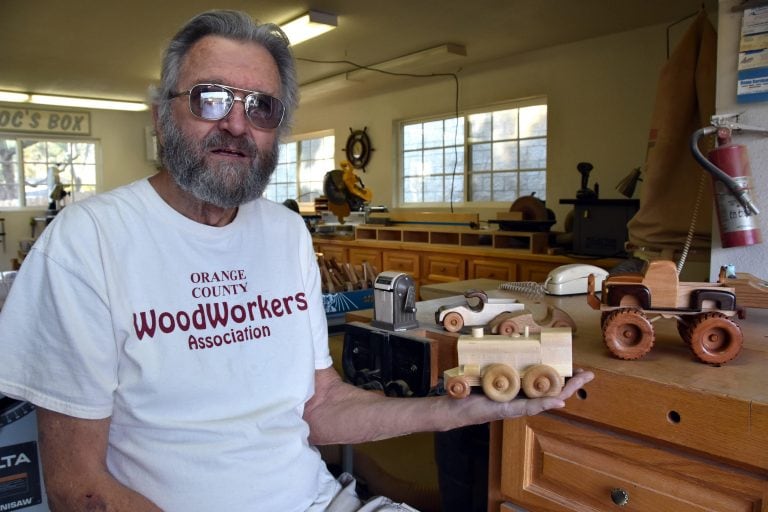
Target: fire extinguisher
x=729, y=165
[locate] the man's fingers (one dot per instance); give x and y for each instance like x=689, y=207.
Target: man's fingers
x=579, y=379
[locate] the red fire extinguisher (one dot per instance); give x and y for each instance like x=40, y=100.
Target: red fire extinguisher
x=729, y=165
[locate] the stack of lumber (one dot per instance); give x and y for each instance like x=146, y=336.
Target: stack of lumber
x=345, y=277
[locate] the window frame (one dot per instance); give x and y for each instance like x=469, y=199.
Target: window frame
x=298, y=138
x=466, y=145
x=18, y=137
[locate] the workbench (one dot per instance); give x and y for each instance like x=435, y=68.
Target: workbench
x=665, y=432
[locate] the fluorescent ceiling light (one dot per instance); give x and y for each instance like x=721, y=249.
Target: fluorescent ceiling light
x=309, y=25
x=68, y=101
x=14, y=97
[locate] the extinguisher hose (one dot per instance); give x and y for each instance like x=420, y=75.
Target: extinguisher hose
x=738, y=192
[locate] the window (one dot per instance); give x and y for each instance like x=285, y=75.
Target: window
x=33, y=172
x=485, y=156
x=301, y=168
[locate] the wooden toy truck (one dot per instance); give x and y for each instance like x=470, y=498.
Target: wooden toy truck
x=537, y=362
x=631, y=302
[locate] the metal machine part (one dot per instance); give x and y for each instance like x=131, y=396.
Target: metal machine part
x=394, y=295
x=21, y=480
x=397, y=363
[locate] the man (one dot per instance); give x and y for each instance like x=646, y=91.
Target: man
x=178, y=356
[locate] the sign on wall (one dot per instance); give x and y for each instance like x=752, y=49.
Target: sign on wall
x=44, y=121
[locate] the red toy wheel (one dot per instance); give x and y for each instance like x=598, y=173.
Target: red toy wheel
x=453, y=322
x=715, y=338
x=628, y=334
x=458, y=387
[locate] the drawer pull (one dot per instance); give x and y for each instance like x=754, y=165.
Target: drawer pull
x=619, y=496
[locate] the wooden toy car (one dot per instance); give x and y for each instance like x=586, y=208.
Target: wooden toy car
x=631, y=302
x=477, y=309
x=500, y=315
x=537, y=362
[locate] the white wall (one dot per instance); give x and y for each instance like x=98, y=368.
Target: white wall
x=753, y=259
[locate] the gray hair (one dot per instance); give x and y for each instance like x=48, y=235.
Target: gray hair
x=238, y=26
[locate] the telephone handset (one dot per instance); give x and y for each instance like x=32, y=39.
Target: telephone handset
x=571, y=279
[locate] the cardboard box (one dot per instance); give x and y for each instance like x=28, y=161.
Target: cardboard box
x=338, y=304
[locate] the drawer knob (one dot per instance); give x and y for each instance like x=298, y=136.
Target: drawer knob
x=619, y=496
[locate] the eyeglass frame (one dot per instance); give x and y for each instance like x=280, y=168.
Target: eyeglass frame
x=235, y=97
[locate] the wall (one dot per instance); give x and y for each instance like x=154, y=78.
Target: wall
x=600, y=95
x=122, y=160
x=754, y=259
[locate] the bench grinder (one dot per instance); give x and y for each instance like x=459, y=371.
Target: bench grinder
x=394, y=306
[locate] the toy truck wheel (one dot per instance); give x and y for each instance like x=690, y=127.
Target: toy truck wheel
x=501, y=383
x=542, y=380
x=628, y=334
x=715, y=339
x=458, y=387
x=684, y=329
x=453, y=322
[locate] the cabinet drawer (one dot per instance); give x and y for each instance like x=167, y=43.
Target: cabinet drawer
x=372, y=256
x=443, y=269
x=407, y=262
x=332, y=252
x=551, y=463
x=492, y=269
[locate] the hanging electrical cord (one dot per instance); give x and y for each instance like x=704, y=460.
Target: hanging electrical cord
x=692, y=227
x=455, y=78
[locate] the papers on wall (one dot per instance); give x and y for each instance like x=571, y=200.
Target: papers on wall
x=753, y=56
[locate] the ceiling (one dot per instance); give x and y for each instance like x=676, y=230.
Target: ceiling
x=112, y=49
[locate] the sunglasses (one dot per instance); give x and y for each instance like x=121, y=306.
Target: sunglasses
x=213, y=102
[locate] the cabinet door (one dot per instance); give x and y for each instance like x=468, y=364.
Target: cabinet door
x=550, y=463
x=402, y=261
x=373, y=256
x=487, y=268
x=443, y=268
x=332, y=252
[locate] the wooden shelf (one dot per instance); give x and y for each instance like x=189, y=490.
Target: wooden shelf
x=533, y=242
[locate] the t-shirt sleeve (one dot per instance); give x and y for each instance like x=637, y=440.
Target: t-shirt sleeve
x=56, y=335
x=319, y=322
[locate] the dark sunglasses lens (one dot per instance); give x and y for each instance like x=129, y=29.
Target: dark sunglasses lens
x=264, y=111
x=210, y=101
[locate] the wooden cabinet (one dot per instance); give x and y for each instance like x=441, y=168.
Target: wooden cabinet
x=492, y=268
x=438, y=257
x=439, y=268
x=552, y=463
x=336, y=252
x=359, y=255
x=535, y=271
x=662, y=433
x=402, y=261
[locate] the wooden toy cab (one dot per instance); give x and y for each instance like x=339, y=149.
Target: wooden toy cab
x=537, y=362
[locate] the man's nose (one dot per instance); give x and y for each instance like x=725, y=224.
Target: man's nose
x=236, y=121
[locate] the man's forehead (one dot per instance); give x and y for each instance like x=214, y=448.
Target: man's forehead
x=244, y=64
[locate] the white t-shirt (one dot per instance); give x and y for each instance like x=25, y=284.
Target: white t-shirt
x=201, y=343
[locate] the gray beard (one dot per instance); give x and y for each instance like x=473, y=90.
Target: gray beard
x=226, y=185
